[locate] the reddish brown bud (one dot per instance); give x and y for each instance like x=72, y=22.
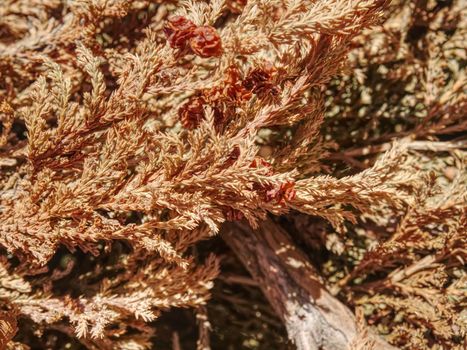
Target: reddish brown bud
x=192, y=112
x=285, y=193
x=205, y=42
x=230, y=92
x=259, y=80
x=178, y=30
x=234, y=90
x=259, y=162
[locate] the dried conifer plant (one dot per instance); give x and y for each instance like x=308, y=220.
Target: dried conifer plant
x=323, y=141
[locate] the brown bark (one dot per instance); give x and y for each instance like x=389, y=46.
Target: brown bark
x=8, y=327
x=314, y=319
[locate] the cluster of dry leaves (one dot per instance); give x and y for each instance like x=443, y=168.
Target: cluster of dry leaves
x=131, y=130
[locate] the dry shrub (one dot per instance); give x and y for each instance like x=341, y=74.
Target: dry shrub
x=131, y=130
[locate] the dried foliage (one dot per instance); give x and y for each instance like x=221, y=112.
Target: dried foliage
x=132, y=130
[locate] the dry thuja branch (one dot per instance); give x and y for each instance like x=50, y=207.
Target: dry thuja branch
x=422, y=265
x=132, y=130
x=102, y=158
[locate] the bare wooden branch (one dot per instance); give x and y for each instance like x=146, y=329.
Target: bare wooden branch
x=313, y=317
